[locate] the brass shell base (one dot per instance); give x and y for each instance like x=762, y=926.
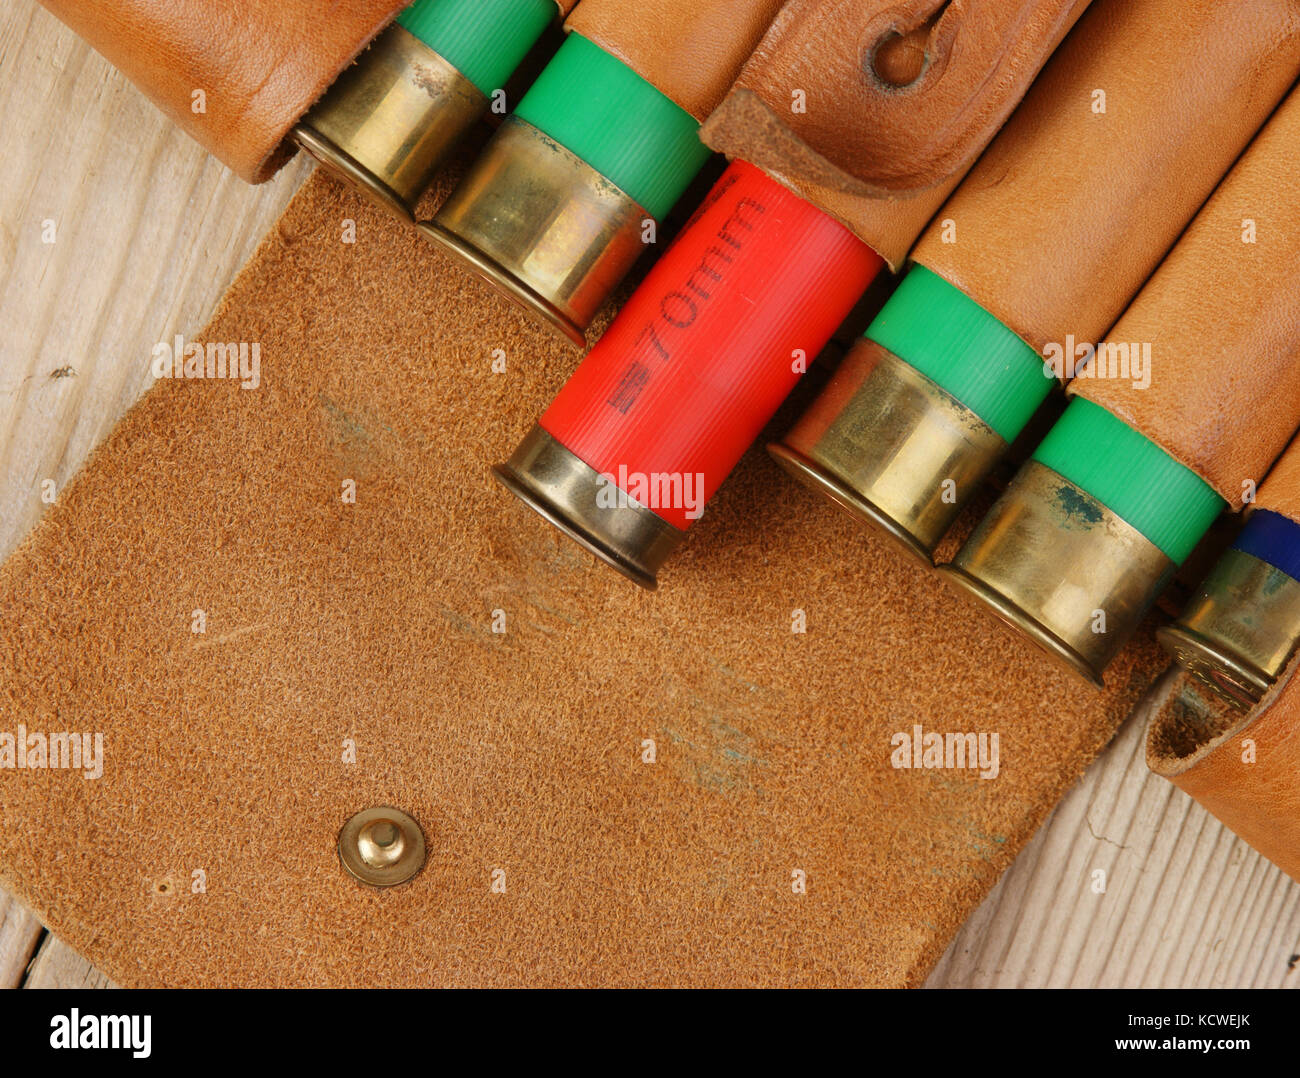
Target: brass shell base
x=340, y=164
x=1240, y=630
x=892, y=447
x=505, y=282
x=565, y=490
x=813, y=475
x=1016, y=618
x=389, y=120
x=542, y=226
x=1238, y=682
x=1048, y=558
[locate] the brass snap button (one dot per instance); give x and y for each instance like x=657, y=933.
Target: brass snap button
x=382, y=846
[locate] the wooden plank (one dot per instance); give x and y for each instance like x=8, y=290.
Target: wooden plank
x=58, y=966
x=148, y=231
x=1186, y=903
x=20, y=934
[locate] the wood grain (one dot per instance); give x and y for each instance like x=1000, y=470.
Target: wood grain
x=58, y=966
x=1186, y=903
x=149, y=232
x=20, y=935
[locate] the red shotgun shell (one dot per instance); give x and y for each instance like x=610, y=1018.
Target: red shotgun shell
x=687, y=376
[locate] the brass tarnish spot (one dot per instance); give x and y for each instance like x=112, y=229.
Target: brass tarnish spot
x=1077, y=506
x=382, y=846
x=1062, y=570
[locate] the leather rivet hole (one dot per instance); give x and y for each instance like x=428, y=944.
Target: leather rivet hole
x=899, y=60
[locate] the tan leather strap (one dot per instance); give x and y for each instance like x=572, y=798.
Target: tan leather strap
x=1222, y=315
x=881, y=139
x=260, y=64
x=1114, y=149
x=811, y=108
x=691, y=50
x=1280, y=492
x=1241, y=768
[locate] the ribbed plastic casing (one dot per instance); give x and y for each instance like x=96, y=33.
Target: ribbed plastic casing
x=597, y=107
x=1132, y=476
x=714, y=339
x=485, y=40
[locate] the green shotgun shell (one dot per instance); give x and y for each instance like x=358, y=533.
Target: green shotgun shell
x=566, y=195
x=918, y=413
x=1085, y=538
x=388, y=121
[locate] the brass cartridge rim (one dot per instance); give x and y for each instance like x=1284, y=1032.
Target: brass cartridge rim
x=347, y=168
x=1228, y=673
x=505, y=282
x=562, y=488
x=1048, y=558
x=857, y=505
x=1012, y=615
x=1240, y=629
x=388, y=121
x=889, y=445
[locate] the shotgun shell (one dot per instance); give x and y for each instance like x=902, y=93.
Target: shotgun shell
x=387, y=122
x=918, y=413
x=1242, y=627
x=686, y=376
x=1085, y=538
x=567, y=194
